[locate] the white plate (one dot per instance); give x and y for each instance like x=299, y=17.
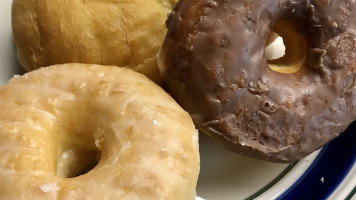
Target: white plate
x=329, y=173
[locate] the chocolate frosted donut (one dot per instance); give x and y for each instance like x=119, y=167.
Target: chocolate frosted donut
x=212, y=61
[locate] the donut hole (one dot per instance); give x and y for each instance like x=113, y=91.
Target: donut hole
x=77, y=161
x=86, y=168
x=291, y=46
x=275, y=47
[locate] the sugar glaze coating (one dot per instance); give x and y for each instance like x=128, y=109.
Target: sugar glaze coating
x=56, y=120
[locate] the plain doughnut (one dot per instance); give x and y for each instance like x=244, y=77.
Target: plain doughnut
x=108, y=32
x=212, y=62
x=57, y=121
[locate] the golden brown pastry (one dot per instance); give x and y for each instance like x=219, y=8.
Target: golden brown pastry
x=111, y=32
x=167, y=5
x=58, y=120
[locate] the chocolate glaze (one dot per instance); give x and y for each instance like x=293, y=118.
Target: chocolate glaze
x=213, y=64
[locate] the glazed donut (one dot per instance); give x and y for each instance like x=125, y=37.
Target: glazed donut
x=109, y=32
x=212, y=61
x=57, y=120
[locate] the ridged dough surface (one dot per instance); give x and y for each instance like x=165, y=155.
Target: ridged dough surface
x=54, y=121
x=126, y=33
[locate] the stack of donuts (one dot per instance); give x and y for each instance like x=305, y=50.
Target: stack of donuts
x=93, y=130
x=94, y=119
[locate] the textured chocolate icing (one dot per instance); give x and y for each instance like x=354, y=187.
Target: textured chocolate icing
x=212, y=61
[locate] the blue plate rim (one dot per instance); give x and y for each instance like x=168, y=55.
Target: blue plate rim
x=328, y=170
